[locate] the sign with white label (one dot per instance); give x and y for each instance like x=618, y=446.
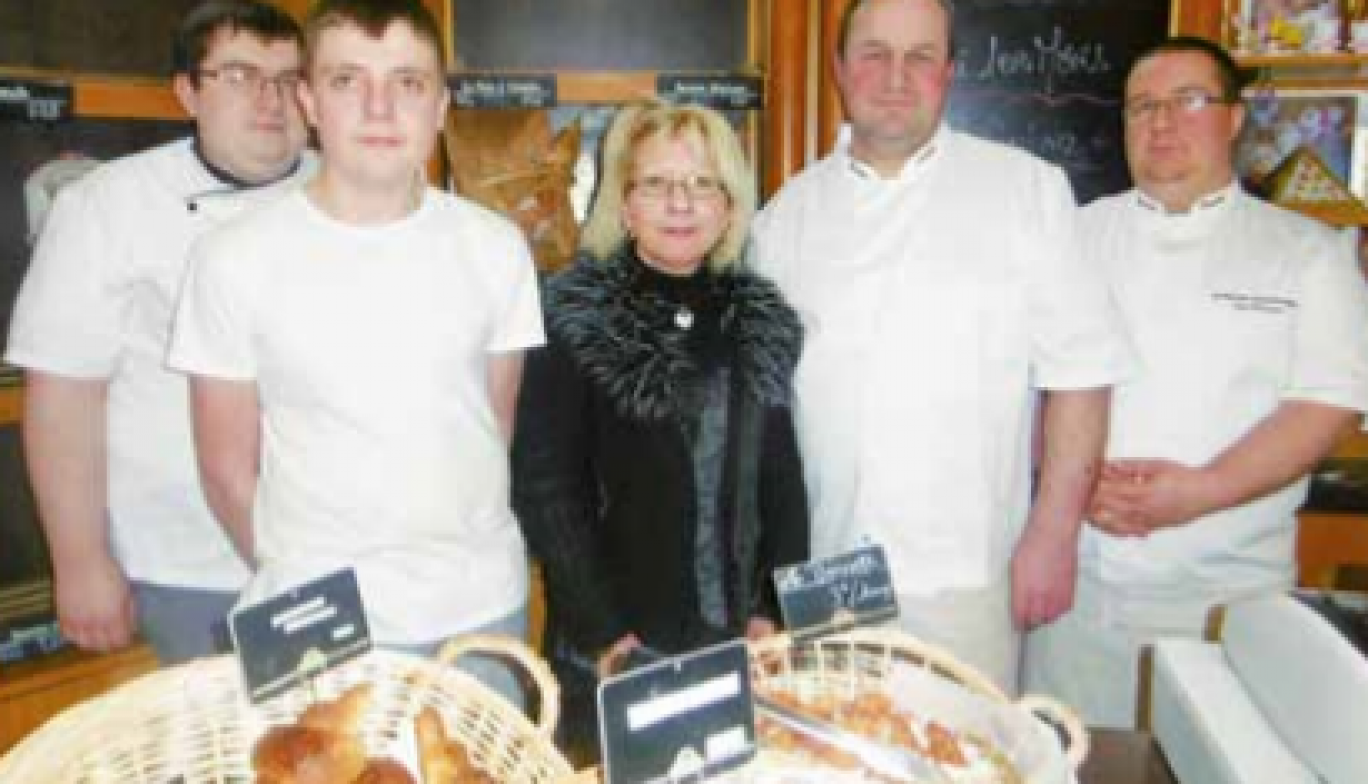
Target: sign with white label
x=828, y=595
x=287, y=639
x=36, y=101
x=502, y=91
x=680, y=719
x=717, y=91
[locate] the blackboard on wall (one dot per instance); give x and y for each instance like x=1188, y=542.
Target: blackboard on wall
x=1048, y=76
x=651, y=35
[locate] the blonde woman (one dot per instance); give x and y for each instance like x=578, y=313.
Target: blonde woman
x=656, y=473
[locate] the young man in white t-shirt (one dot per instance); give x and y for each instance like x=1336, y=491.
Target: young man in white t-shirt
x=355, y=351
x=106, y=426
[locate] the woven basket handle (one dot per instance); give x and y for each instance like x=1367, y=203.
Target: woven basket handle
x=504, y=646
x=1076, y=747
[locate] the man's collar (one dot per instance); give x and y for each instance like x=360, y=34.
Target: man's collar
x=911, y=168
x=232, y=181
x=1202, y=205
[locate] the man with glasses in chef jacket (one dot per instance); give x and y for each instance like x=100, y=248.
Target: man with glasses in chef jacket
x=106, y=426
x=1251, y=323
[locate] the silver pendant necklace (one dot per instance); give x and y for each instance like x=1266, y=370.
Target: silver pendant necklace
x=684, y=317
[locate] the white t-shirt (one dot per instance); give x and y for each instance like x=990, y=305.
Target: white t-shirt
x=97, y=303
x=1234, y=307
x=380, y=449
x=933, y=303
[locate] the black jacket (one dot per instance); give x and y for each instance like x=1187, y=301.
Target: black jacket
x=610, y=421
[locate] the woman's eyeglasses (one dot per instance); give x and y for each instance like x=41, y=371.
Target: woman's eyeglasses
x=695, y=187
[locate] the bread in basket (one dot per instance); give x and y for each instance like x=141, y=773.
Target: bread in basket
x=194, y=723
x=1003, y=742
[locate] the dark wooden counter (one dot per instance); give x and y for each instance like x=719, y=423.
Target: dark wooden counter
x=1124, y=757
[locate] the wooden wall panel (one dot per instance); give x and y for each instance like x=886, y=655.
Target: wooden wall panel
x=829, y=112
x=784, y=149
x=1200, y=17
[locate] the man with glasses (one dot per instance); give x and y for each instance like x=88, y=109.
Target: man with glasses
x=106, y=427
x=940, y=283
x=355, y=351
x=1252, y=328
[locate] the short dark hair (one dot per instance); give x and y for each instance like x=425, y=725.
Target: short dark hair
x=374, y=17
x=1232, y=77
x=190, y=45
x=843, y=31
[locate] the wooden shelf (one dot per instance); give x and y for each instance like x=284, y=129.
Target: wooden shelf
x=31, y=692
x=96, y=95
x=11, y=398
x=1335, y=59
x=598, y=86
x=1336, y=215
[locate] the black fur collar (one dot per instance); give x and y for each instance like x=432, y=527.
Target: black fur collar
x=622, y=336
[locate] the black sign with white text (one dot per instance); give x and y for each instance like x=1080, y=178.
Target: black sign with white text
x=720, y=91
x=830, y=594
x=502, y=91
x=680, y=719
x=36, y=101
x=289, y=638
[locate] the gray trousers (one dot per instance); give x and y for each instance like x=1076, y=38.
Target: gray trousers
x=492, y=671
x=183, y=623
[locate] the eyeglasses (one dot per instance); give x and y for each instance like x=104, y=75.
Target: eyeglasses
x=1185, y=103
x=695, y=187
x=250, y=80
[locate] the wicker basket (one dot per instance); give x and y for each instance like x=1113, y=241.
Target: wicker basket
x=858, y=661
x=194, y=724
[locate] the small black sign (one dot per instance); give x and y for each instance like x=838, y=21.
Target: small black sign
x=502, y=91
x=26, y=99
x=290, y=638
x=830, y=594
x=680, y=719
x=718, y=91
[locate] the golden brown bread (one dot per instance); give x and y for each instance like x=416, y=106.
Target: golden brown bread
x=870, y=714
x=442, y=760
x=322, y=747
x=343, y=714
x=384, y=771
x=305, y=755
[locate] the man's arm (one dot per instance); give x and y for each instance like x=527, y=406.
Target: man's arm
x=227, y=417
x=63, y=427
x=504, y=372
x=1136, y=497
x=1045, y=563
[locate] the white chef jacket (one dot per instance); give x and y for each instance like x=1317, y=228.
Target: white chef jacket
x=97, y=303
x=933, y=302
x=1234, y=307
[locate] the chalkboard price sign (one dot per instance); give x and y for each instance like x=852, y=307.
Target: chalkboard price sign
x=502, y=91
x=718, y=91
x=830, y=594
x=679, y=719
x=296, y=635
x=26, y=99
x=1049, y=75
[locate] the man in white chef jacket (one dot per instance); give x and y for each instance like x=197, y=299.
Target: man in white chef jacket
x=1251, y=324
x=107, y=433
x=940, y=283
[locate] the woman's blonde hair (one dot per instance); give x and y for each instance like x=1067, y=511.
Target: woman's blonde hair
x=634, y=125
